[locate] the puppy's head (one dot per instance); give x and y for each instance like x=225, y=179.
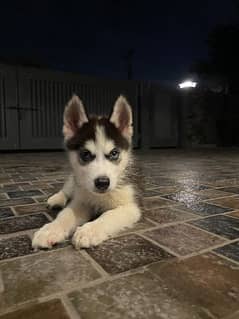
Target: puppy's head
x=99, y=148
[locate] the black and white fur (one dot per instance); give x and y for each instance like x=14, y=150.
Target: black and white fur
x=99, y=150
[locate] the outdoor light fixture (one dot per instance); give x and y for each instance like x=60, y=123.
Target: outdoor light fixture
x=187, y=84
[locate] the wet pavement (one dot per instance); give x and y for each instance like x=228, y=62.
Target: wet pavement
x=181, y=261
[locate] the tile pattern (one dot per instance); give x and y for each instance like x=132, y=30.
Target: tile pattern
x=6, y=212
x=52, y=309
x=15, y=247
x=16, y=224
x=224, y=226
x=191, y=210
x=183, y=239
x=231, y=251
x=126, y=252
x=204, y=209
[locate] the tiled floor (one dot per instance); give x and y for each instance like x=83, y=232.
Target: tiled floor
x=181, y=261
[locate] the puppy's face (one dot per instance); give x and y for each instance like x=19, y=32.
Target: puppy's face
x=99, y=148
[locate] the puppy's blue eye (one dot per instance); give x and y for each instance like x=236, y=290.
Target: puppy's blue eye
x=86, y=156
x=113, y=155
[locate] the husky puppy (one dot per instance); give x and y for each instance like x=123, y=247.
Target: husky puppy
x=100, y=194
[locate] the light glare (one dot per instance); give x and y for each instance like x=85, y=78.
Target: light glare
x=187, y=84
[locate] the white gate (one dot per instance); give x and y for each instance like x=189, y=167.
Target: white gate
x=9, y=123
x=34, y=100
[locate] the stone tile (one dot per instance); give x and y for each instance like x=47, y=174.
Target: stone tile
x=138, y=296
x=161, y=181
x=4, y=180
x=126, y=252
x=235, y=315
x=167, y=190
x=40, y=275
x=23, y=179
x=234, y=214
x=27, y=209
x=231, y=202
x=15, y=202
x=193, y=187
x=213, y=193
x=151, y=193
x=226, y=182
x=30, y=193
x=52, y=309
x=234, y=189
x=15, y=224
x=204, y=209
x=153, y=202
x=224, y=226
x=57, y=185
x=206, y=282
x=5, y=213
x=185, y=197
x=10, y=187
x=167, y=215
x=49, y=191
x=38, y=186
x=3, y=196
x=15, y=247
x=41, y=199
x=183, y=239
x=231, y=251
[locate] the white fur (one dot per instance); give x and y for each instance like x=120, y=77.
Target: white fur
x=117, y=204
x=58, y=199
x=105, y=226
x=86, y=174
x=122, y=106
x=74, y=104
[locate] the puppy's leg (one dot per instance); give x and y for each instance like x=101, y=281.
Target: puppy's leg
x=61, y=228
x=105, y=226
x=60, y=199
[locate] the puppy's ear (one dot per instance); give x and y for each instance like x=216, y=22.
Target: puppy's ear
x=74, y=117
x=122, y=117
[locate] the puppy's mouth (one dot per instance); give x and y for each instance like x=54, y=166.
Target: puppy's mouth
x=101, y=191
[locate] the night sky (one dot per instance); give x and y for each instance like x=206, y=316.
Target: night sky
x=91, y=37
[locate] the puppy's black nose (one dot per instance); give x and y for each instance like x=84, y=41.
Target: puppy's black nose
x=102, y=183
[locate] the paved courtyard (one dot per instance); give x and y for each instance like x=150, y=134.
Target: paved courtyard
x=180, y=262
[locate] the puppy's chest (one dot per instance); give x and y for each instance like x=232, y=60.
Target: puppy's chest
x=102, y=203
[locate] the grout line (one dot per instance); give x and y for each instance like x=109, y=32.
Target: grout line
x=63, y=294
x=225, y=257
x=70, y=309
x=207, y=232
x=159, y=226
x=203, y=251
x=160, y=245
x=16, y=234
x=14, y=211
x=2, y=288
x=96, y=265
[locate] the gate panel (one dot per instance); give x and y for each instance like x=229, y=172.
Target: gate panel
x=9, y=130
x=43, y=95
x=163, y=118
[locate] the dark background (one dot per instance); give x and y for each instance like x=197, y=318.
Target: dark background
x=156, y=42
x=93, y=37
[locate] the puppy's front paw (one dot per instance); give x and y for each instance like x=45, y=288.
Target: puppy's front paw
x=57, y=200
x=49, y=235
x=88, y=235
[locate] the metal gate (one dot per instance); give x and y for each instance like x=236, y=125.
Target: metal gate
x=33, y=101
x=9, y=124
x=164, y=114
